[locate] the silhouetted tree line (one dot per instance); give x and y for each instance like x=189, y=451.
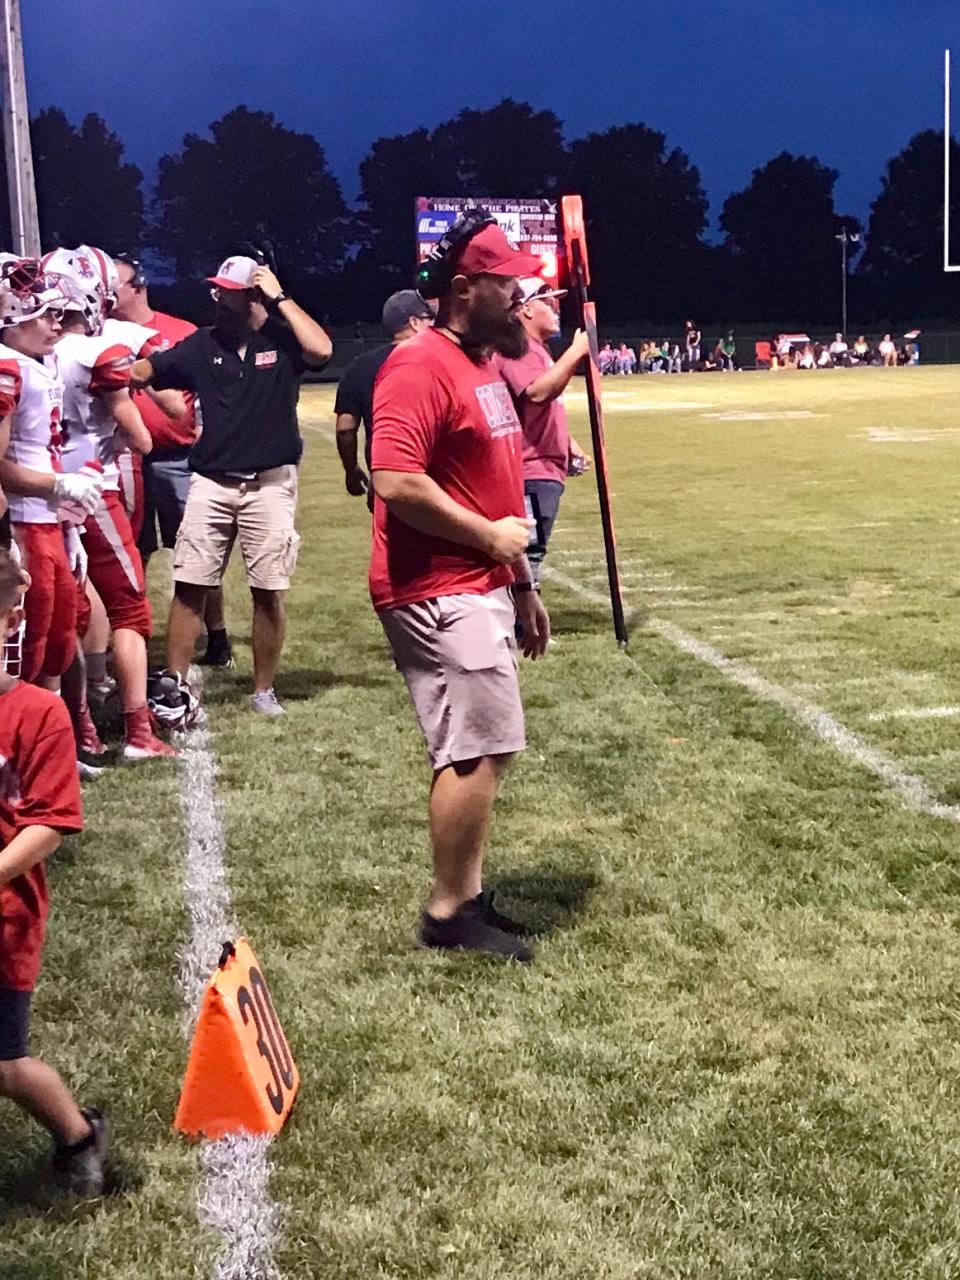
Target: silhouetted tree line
x=251, y=178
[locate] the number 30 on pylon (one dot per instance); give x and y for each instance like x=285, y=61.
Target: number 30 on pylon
x=241, y=1077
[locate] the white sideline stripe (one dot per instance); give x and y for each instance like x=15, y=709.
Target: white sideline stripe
x=912, y=790
x=915, y=713
x=233, y=1198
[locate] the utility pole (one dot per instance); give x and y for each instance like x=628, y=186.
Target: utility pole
x=845, y=237
x=21, y=187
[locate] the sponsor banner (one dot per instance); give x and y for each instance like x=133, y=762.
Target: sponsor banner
x=434, y=224
x=531, y=225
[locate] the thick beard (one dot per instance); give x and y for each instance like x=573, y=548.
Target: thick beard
x=505, y=335
x=230, y=323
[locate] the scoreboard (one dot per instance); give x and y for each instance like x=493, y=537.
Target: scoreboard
x=531, y=225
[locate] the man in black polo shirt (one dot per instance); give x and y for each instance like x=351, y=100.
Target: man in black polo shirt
x=404, y=315
x=245, y=371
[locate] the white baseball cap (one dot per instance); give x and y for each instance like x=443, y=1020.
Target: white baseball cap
x=234, y=273
x=536, y=287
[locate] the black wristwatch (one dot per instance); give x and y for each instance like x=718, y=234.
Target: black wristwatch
x=519, y=588
x=274, y=303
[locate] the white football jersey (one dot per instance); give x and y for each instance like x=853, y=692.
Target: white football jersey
x=88, y=365
x=128, y=334
x=36, y=431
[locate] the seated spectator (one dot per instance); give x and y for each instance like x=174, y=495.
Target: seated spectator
x=823, y=357
x=838, y=349
x=888, y=351
x=726, y=350
x=606, y=358
x=651, y=358
x=861, y=351
x=807, y=359
x=626, y=359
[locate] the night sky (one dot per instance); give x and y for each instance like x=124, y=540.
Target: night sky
x=731, y=82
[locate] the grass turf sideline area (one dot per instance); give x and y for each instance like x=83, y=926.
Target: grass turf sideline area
x=737, y=1051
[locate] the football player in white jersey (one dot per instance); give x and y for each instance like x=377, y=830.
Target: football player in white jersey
x=31, y=470
x=100, y=419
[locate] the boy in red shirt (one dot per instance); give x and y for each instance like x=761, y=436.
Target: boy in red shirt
x=39, y=804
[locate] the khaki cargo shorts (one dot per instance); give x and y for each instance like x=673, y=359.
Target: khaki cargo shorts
x=458, y=656
x=259, y=514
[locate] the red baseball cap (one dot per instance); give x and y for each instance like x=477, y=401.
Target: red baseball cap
x=489, y=252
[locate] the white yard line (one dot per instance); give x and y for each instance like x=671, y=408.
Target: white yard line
x=911, y=789
x=234, y=1197
x=915, y=713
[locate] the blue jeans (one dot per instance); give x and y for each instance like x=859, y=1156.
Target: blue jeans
x=543, y=503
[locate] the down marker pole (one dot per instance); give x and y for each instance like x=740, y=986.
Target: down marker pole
x=575, y=240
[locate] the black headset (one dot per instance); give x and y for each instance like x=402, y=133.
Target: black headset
x=262, y=252
x=139, y=277
x=437, y=270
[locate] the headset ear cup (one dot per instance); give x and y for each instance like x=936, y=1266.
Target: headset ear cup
x=433, y=274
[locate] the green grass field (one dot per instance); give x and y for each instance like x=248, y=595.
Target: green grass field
x=738, y=1052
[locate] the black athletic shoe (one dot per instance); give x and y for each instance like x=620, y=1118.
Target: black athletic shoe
x=219, y=651
x=483, y=903
x=469, y=930
x=81, y=1167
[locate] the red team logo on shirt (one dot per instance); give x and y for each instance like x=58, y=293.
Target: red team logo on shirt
x=497, y=406
x=55, y=447
x=265, y=358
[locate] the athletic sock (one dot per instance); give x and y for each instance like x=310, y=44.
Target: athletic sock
x=137, y=724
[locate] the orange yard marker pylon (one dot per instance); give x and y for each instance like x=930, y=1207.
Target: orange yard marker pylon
x=241, y=1077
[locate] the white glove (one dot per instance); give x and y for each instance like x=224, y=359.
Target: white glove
x=83, y=491
x=76, y=552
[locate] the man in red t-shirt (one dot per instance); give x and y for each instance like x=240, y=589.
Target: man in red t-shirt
x=160, y=482
x=537, y=382
x=39, y=804
x=449, y=536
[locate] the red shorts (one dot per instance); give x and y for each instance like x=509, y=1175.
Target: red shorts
x=130, y=465
x=50, y=605
x=115, y=568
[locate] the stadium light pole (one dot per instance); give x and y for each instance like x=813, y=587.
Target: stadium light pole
x=21, y=188
x=947, y=264
x=845, y=237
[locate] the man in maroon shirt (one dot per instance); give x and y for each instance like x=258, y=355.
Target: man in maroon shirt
x=448, y=573
x=165, y=482
x=537, y=382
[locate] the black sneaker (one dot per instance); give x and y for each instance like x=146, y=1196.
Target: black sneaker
x=80, y=1167
x=470, y=930
x=219, y=651
x=483, y=903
